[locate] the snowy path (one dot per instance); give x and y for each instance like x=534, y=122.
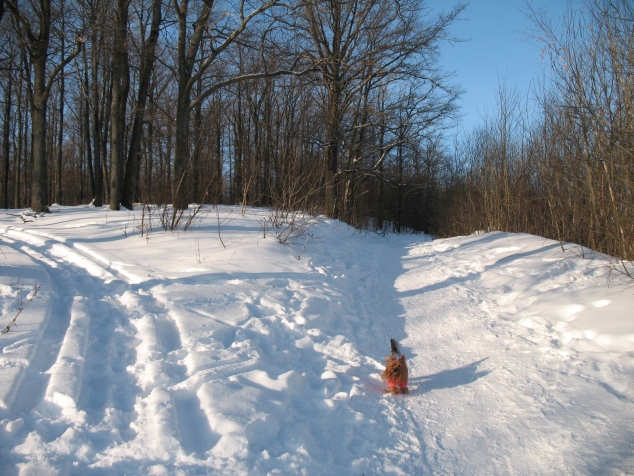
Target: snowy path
x=508, y=388
x=174, y=355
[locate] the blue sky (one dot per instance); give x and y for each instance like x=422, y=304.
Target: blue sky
x=498, y=47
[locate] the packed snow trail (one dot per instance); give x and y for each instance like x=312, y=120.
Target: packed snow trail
x=536, y=386
x=179, y=353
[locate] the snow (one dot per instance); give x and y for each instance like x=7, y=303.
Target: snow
x=221, y=351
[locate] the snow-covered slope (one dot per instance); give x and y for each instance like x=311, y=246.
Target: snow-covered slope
x=220, y=351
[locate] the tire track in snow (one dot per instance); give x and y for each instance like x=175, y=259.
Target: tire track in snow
x=58, y=398
x=252, y=357
x=125, y=391
x=135, y=370
x=209, y=356
x=88, y=387
x=56, y=371
x=67, y=373
x=72, y=253
x=163, y=420
x=158, y=337
x=25, y=360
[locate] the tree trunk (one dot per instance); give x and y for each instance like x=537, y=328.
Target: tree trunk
x=5, y=143
x=186, y=57
x=86, y=116
x=147, y=65
x=106, y=105
x=219, y=181
x=120, y=90
x=96, y=124
x=399, y=203
x=39, y=187
x=41, y=88
x=196, y=168
x=332, y=153
x=60, y=138
x=181, y=151
x=18, y=153
x=149, y=162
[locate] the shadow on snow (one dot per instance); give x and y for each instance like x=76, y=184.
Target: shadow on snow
x=448, y=378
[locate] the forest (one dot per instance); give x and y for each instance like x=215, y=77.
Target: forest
x=333, y=107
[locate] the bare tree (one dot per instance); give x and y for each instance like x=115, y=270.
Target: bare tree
x=229, y=27
x=5, y=141
x=34, y=27
x=568, y=174
x=60, y=136
x=147, y=51
x=120, y=90
x=592, y=61
x=358, y=43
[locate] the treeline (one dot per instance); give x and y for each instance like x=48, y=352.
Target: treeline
x=328, y=106
x=334, y=107
x=568, y=172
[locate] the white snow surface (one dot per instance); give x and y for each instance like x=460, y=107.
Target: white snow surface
x=221, y=351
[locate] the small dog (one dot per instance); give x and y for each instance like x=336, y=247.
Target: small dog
x=396, y=374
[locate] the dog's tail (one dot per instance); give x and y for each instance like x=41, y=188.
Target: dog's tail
x=395, y=349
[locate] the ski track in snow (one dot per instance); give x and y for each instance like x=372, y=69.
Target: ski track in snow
x=172, y=355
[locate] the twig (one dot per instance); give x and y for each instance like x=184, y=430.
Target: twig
x=197, y=249
x=218, y=217
x=12, y=323
x=308, y=235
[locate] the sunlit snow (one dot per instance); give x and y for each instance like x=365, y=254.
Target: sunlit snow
x=220, y=351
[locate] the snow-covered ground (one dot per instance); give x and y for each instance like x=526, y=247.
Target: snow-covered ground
x=221, y=351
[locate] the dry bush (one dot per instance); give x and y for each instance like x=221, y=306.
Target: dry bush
x=570, y=174
x=295, y=205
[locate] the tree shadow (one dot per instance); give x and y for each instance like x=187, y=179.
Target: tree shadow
x=451, y=280
x=448, y=378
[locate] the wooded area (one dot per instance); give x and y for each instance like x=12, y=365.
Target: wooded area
x=335, y=107
x=567, y=172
